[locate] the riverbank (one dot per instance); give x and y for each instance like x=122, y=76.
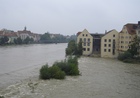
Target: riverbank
x=101, y=78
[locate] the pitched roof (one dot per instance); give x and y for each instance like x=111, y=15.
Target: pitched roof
x=131, y=28
x=79, y=33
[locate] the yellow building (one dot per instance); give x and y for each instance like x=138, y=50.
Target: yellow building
x=109, y=44
x=126, y=36
x=87, y=41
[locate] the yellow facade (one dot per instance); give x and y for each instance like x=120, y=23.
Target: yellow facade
x=125, y=39
x=109, y=44
x=87, y=42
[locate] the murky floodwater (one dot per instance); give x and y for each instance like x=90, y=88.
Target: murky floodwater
x=101, y=78
x=22, y=62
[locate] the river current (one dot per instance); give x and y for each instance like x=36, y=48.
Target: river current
x=100, y=77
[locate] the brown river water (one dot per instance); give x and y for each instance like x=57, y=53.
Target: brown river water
x=100, y=77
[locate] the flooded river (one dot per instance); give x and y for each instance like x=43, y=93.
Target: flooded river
x=101, y=78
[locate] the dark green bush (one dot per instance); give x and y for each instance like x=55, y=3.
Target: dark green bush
x=56, y=72
x=69, y=66
x=129, y=60
x=44, y=72
x=125, y=55
x=51, y=72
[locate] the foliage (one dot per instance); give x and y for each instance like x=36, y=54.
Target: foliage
x=28, y=40
x=51, y=72
x=45, y=37
x=134, y=47
x=124, y=56
x=69, y=66
x=4, y=40
x=18, y=41
x=1, y=96
x=44, y=72
x=74, y=49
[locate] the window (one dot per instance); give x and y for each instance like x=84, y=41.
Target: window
x=83, y=34
x=105, y=40
x=88, y=39
x=80, y=39
x=109, y=45
x=86, y=35
x=109, y=40
x=104, y=45
x=121, y=41
x=121, y=46
x=84, y=49
x=84, y=39
x=126, y=37
x=129, y=37
x=84, y=44
x=109, y=50
x=114, y=35
x=104, y=50
x=88, y=49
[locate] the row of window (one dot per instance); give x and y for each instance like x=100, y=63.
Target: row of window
x=109, y=50
x=86, y=49
x=109, y=40
x=88, y=44
x=105, y=50
x=88, y=39
x=125, y=42
x=125, y=47
x=105, y=45
x=126, y=37
x=85, y=34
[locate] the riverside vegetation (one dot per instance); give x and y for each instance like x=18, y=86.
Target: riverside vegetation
x=69, y=66
x=132, y=54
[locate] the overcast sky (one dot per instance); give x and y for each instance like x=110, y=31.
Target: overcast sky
x=67, y=17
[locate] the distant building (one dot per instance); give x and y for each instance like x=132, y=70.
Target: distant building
x=126, y=37
x=87, y=41
x=109, y=44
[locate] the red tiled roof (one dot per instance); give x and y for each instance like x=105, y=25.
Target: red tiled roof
x=24, y=31
x=79, y=33
x=131, y=28
x=13, y=34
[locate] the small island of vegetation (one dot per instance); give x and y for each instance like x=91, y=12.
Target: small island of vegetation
x=69, y=66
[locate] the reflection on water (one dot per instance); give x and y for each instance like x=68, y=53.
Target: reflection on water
x=101, y=78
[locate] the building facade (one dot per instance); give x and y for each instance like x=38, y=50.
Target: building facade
x=109, y=44
x=126, y=37
x=87, y=42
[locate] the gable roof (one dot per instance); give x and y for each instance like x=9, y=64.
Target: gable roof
x=131, y=28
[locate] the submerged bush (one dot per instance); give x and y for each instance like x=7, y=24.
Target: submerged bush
x=44, y=72
x=51, y=72
x=69, y=66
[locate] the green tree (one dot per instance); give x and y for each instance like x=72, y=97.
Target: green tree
x=26, y=40
x=4, y=40
x=19, y=40
x=45, y=37
x=134, y=47
x=74, y=49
